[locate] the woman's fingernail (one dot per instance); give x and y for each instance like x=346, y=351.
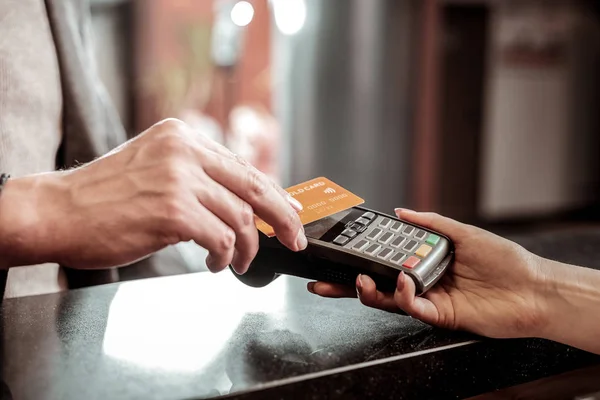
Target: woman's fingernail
x=359, y=285
x=311, y=287
x=398, y=211
x=295, y=203
x=301, y=241
x=400, y=282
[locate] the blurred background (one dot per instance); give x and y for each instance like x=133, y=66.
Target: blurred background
x=485, y=111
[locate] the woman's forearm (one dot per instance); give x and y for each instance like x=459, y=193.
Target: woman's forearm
x=572, y=306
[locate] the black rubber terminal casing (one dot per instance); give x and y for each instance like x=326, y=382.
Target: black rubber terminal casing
x=326, y=261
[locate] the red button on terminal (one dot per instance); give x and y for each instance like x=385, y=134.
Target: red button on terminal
x=411, y=262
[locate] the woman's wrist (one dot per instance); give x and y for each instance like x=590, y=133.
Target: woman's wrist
x=571, y=300
x=546, y=285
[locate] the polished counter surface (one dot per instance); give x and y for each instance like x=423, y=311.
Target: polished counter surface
x=204, y=335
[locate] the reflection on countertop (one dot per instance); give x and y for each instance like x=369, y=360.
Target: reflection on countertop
x=192, y=335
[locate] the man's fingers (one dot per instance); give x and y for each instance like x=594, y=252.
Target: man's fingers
x=237, y=214
x=256, y=189
x=225, y=152
x=214, y=235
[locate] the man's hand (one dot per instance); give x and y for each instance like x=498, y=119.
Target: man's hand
x=170, y=184
x=494, y=288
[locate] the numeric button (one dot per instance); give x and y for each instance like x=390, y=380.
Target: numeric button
x=408, y=230
x=396, y=226
x=384, y=223
x=398, y=241
x=374, y=234
x=360, y=245
x=386, y=238
x=372, y=249
x=398, y=258
x=385, y=253
x=411, y=245
x=420, y=234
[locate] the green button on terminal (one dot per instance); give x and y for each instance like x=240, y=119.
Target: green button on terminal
x=432, y=239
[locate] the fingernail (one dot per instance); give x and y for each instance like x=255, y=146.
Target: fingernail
x=295, y=203
x=209, y=262
x=359, y=285
x=311, y=287
x=400, y=282
x=235, y=264
x=301, y=241
x=399, y=210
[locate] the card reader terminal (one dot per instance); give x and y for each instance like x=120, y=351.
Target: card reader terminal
x=352, y=242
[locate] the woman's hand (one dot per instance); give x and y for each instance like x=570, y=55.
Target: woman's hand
x=494, y=288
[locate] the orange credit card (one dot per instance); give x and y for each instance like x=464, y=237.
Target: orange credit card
x=320, y=198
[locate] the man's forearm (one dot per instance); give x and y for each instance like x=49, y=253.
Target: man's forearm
x=24, y=238
x=573, y=306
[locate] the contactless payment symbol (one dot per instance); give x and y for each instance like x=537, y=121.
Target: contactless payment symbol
x=329, y=190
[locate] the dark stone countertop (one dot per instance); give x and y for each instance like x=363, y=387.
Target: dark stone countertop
x=203, y=335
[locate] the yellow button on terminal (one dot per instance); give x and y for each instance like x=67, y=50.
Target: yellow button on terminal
x=423, y=251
